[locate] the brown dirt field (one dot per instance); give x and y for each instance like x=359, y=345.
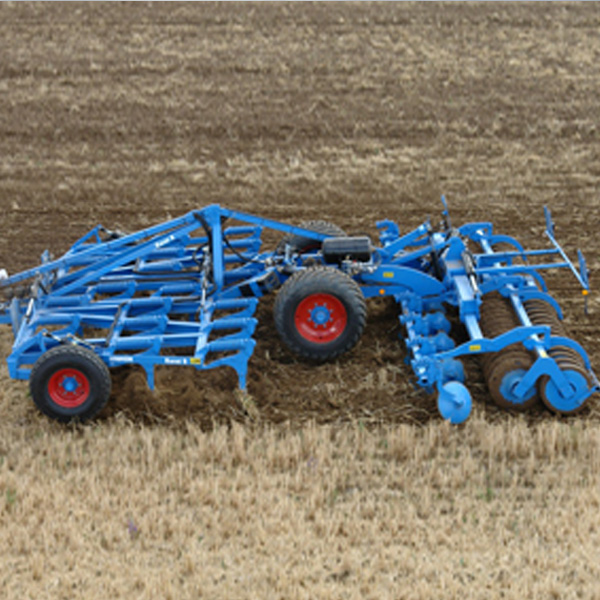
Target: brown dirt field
x=130, y=114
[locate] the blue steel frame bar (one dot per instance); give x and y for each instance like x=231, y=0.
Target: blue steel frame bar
x=96, y=284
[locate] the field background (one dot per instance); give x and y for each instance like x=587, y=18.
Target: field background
x=339, y=481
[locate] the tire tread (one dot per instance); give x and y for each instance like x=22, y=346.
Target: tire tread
x=38, y=381
x=333, y=279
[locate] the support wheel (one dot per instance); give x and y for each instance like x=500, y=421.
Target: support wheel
x=70, y=383
x=320, y=313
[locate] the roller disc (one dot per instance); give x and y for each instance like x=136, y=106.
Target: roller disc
x=505, y=369
x=562, y=354
x=510, y=356
x=580, y=385
x=504, y=374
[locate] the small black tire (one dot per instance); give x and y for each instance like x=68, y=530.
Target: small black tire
x=320, y=313
x=69, y=383
x=303, y=244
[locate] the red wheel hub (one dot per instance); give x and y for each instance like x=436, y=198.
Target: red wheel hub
x=69, y=388
x=321, y=318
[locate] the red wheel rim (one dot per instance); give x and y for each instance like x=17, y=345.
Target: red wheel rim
x=321, y=318
x=69, y=388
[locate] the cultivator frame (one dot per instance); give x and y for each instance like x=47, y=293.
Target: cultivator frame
x=184, y=293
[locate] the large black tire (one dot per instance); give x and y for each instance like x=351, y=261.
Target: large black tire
x=70, y=383
x=320, y=313
x=303, y=244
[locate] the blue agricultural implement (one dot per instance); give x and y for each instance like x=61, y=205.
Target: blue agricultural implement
x=184, y=293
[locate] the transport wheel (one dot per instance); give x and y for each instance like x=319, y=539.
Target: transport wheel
x=70, y=383
x=303, y=244
x=320, y=313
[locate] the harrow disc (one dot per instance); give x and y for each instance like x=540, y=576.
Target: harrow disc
x=454, y=402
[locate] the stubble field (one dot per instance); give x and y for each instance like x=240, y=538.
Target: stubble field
x=341, y=482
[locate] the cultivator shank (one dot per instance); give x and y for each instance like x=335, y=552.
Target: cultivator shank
x=184, y=293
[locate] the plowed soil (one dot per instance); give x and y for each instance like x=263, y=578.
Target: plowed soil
x=128, y=115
